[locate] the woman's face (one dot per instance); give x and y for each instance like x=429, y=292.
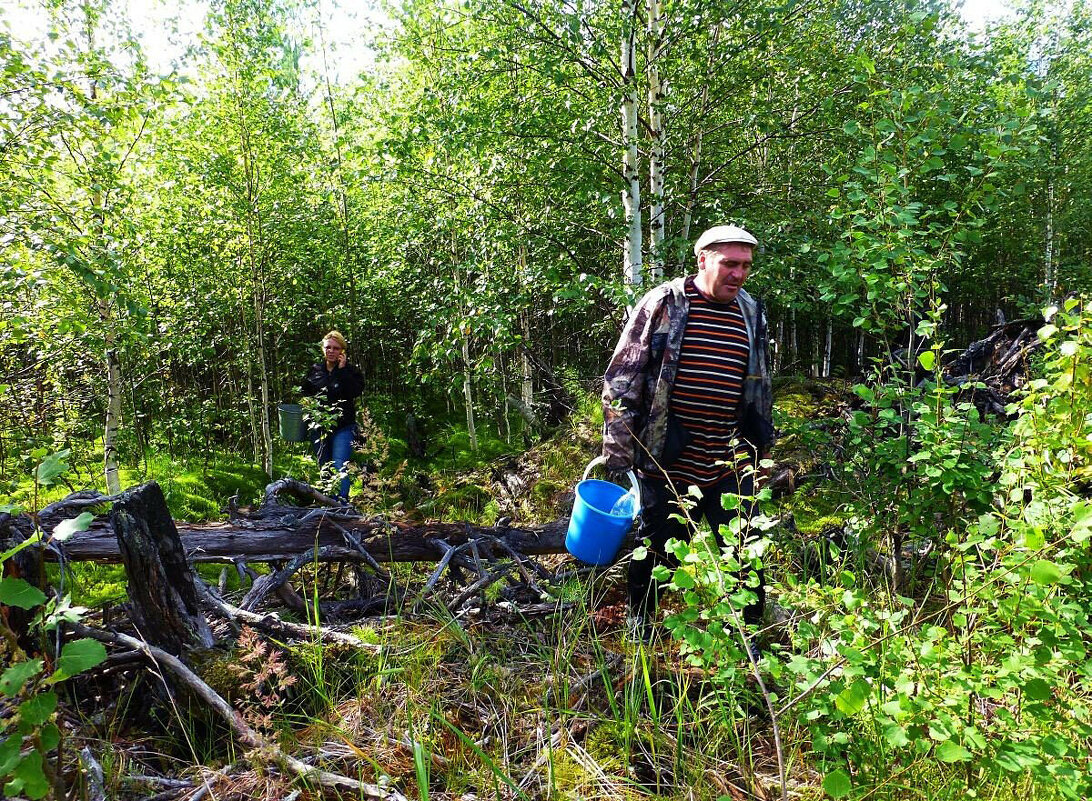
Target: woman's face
x=332, y=351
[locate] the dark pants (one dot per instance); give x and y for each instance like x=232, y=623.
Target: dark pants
x=659, y=504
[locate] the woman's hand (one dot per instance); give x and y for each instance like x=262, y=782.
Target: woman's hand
x=342, y=360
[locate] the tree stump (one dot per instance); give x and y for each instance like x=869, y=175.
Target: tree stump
x=160, y=582
x=28, y=565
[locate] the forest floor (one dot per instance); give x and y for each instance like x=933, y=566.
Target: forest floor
x=499, y=702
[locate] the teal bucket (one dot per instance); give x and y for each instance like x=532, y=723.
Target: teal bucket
x=594, y=534
x=290, y=417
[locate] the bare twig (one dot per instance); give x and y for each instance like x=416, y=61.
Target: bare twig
x=246, y=735
x=278, y=626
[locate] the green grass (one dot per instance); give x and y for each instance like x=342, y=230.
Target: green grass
x=454, y=705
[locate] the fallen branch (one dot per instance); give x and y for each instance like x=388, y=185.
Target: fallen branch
x=246, y=735
x=275, y=625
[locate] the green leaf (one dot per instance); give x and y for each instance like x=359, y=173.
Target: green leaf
x=37, y=710
x=49, y=736
x=837, y=784
x=852, y=699
x=1045, y=572
x=1037, y=690
x=951, y=751
x=9, y=752
x=20, y=593
x=896, y=736
x=66, y=528
x=78, y=656
x=29, y=772
x=988, y=525
x=682, y=579
x=53, y=467
x=13, y=679
x=928, y=359
x=1047, y=331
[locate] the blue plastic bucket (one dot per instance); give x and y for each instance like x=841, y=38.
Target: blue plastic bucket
x=595, y=535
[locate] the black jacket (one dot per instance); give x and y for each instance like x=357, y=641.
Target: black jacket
x=339, y=386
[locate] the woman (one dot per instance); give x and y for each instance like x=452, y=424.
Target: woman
x=337, y=384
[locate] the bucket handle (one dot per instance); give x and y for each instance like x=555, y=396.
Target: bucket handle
x=598, y=460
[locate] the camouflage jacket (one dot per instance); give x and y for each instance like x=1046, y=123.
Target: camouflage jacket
x=641, y=374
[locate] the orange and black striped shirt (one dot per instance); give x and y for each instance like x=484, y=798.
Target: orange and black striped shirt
x=707, y=390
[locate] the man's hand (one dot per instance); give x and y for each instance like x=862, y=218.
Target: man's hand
x=619, y=477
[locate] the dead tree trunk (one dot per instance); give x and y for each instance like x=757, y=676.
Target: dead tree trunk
x=161, y=592
x=28, y=565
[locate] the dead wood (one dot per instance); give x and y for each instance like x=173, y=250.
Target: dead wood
x=261, y=747
x=276, y=531
x=274, y=625
x=990, y=369
x=160, y=581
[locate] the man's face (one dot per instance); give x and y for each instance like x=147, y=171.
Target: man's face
x=722, y=269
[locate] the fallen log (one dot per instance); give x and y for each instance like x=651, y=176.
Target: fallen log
x=283, y=533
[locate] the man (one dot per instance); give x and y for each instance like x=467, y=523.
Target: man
x=687, y=401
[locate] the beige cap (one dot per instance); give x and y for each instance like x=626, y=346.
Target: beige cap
x=724, y=233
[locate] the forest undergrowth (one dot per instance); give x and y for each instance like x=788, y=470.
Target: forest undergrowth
x=927, y=635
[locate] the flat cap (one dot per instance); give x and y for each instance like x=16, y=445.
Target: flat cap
x=724, y=233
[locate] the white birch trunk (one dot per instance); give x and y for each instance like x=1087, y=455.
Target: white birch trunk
x=527, y=377
x=113, y=363
x=827, y=347
x=816, y=370
x=656, y=143
x=778, y=350
x=255, y=432
x=267, y=428
x=468, y=396
x=631, y=196
x=1050, y=279
x=255, y=255
x=113, y=418
x=794, y=341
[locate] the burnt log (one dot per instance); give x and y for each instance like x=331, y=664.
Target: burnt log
x=163, y=601
x=989, y=370
x=28, y=565
x=277, y=532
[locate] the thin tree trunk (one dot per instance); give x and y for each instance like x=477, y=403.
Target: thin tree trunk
x=255, y=434
x=257, y=259
x=113, y=419
x=106, y=318
x=656, y=142
x=527, y=379
x=816, y=370
x=778, y=346
x=1050, y=279
x=631, y=196
x=502, y=422
x=468, y=395
x=794, y=342
x=828, y=347
x=267, y=428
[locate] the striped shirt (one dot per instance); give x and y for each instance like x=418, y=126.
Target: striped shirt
x=707, y=390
